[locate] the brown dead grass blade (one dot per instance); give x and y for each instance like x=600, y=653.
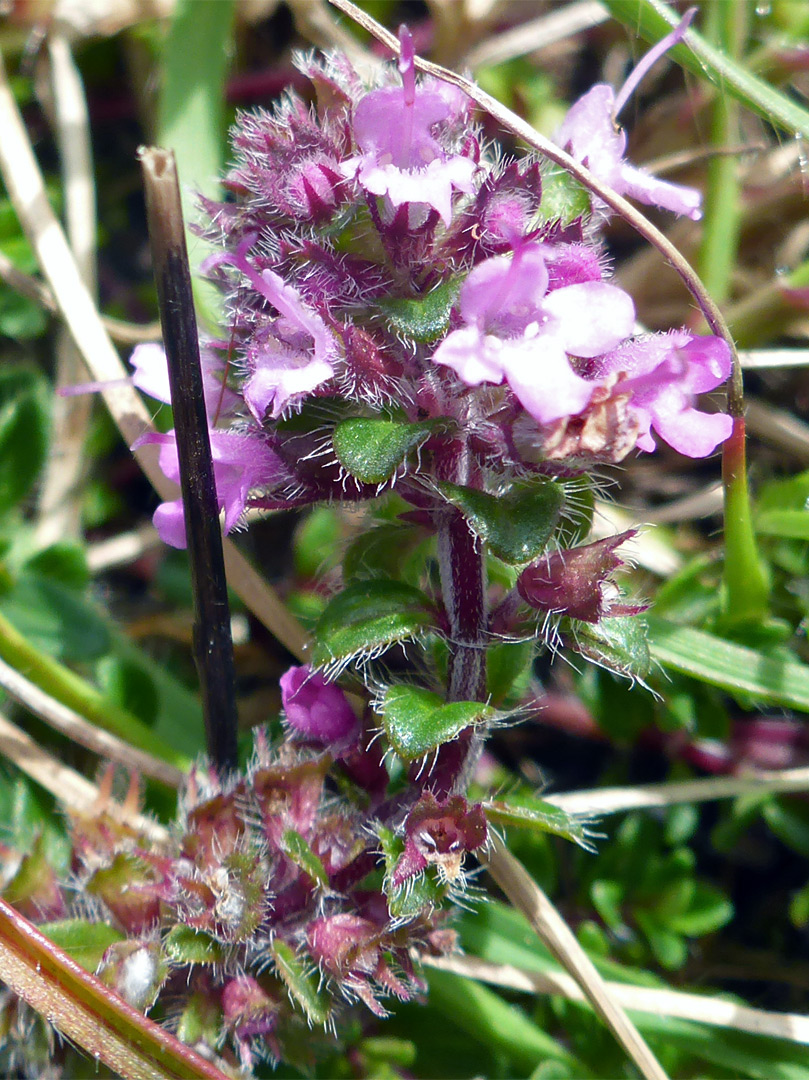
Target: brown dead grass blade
x=527, y=896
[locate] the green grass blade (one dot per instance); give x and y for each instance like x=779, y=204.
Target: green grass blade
x=731, y=667
x=191, y=113
x=652, y=20
x=487, y=1018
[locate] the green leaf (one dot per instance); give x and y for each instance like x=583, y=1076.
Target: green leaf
x=201, y=1020
x=731, y=667
x=422, y=318
x=373, y=449
x=564, y=199
x=788, y=820
x=789, y=524
x=57, y=620
x=78, y=694
x=509, y=670
x=517, y=525
x=653, y=20
x=185, y=945
x=65, y=562
x=416, y=720
x=618, y=644
x=489, y=1020
x=302, y=985
x=85, y=941
x=669, y=948
x=369, y=615
x=386, y=550
x=298, y=850
x=24, y=422
x=28, y=819
x=191, y=114
x=708, y=911
x=423, y=893
x=526, y=812
x=607, y=897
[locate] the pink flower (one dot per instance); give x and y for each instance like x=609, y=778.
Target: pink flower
x=152, y=376
x=400, y=157
x=591, y=135
x=241, y=463
x=440, y=833
x=517, y=330
x=316, y=708
x=357, y=954
x=662, y=374
x=290, y=356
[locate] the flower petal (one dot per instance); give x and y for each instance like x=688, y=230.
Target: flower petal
x=593, y=317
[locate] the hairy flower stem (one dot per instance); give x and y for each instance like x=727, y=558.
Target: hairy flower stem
x=463, y=578
x=461, y=564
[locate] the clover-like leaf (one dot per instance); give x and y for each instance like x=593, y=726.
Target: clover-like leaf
x=422, y=318
x=416, y=720
x=373, y=448
x=518, y=524
x=369, y=615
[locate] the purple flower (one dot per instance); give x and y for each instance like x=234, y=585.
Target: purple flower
x=293, y=354
x=576, y=582
x=517, y=330
x=440, y=833
x=400, y=157
x=316, y=708
x=590, y=134
x=662, y=374
x=152, y=376
x=241, y=463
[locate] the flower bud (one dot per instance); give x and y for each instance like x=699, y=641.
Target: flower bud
x=576, y=582
x=315, y=708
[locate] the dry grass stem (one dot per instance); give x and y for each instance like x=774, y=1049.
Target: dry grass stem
x=68, y=787
x=75, y=727
x=60, y=493
x=649, y=796
x=774, y=358
x=126, y=333
x=536, y=34
x=778, y=427
x=643, y=999
x=527, y=896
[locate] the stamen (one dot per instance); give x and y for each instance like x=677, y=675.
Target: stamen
x=650, y=58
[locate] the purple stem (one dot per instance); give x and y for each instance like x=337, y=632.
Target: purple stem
x=461, y=564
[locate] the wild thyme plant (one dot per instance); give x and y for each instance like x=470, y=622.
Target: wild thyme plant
x=412, y=321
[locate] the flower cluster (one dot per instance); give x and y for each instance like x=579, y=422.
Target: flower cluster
x=263, y=908
x=377, y=262
x=401, y=315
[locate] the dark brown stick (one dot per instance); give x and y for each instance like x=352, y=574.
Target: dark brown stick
x=213, y=647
